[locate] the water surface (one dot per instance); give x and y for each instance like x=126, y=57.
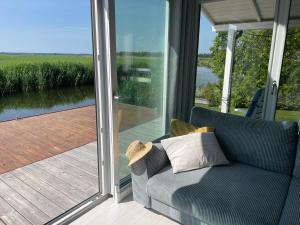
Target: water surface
x=204, y=76
x=23, y=105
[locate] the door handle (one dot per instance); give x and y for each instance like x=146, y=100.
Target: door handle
x=274, y=87
x=115, y=95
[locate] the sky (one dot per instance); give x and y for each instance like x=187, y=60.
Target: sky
x=64, y=26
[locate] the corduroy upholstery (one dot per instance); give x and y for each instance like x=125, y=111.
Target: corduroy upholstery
x=145, y=168
x=261, y=186
x=268, y=145
x=228, y=195
x=291, y=210
x=296, y=171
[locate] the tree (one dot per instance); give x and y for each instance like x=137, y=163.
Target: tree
x=250, y=68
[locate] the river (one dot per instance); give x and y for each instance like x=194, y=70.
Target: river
x=205, y=76
x=30, y=104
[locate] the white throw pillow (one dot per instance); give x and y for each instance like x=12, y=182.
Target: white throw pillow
x=194, y=151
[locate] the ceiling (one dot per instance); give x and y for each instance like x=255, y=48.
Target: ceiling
x=243, y=11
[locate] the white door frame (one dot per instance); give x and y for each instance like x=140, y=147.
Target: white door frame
x=281, y=20
x=104, y=34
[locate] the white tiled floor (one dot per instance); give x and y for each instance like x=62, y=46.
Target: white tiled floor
x=127, y=212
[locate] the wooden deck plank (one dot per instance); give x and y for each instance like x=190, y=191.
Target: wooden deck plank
x=83, y=154
x=87, y=167
x=1, y=222
x=71, y=179
x=33, y=196
x=75, y=172
x=69, y=190
x=21, y=205
x=9, y=216
x=54, y=195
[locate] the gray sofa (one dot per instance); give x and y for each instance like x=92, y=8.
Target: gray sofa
x=260, y=186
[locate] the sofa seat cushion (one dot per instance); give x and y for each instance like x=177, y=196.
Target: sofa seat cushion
x=229, y=195
x=291, y=210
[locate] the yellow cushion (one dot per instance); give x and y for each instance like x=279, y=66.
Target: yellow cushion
x=179, y=127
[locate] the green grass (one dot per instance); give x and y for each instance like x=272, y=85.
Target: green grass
x=287, y=115
x=14, y=59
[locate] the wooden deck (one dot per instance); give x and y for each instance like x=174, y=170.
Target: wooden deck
x=39, y=192
x=32, y=139
x=35, y=138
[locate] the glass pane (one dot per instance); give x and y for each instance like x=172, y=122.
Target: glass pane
x=140, y=37
x=48, y=151
x=250, y=70
x=288, y=104
x=250, y=58
x=210, y=68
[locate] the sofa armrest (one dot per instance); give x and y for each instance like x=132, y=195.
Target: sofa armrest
x=145, y=168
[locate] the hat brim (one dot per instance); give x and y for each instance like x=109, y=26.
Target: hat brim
x=141, y=153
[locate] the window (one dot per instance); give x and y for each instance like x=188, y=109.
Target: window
x=288, y=103
x=48, y=152
x=250, y=70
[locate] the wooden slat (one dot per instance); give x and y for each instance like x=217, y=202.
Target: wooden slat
x=71, y=179
x=21, y=205
x=75, y=172
x=71, y=191
x=54, y=195
x=81, y=153
x=87, y=167
x=10, y=216
x=34, y=197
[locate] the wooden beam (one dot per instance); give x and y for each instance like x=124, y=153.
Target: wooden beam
x=207, y=15
x=255, y=10
x=253, y=25
x=245, y=26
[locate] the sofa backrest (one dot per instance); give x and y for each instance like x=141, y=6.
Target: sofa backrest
x=268, y=145
x=296, y=171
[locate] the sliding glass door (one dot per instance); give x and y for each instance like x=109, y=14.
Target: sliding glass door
x=48, y=128
x=140, y=93
x=288, y=103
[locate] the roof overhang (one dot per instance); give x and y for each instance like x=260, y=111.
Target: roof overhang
x=245, y=14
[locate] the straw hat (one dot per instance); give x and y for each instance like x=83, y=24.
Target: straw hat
x=137, y=150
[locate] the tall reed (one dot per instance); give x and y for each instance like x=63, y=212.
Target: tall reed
x=42, y=76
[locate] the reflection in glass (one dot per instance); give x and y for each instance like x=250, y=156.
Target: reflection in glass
x=288, y=103
x=140, y=33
